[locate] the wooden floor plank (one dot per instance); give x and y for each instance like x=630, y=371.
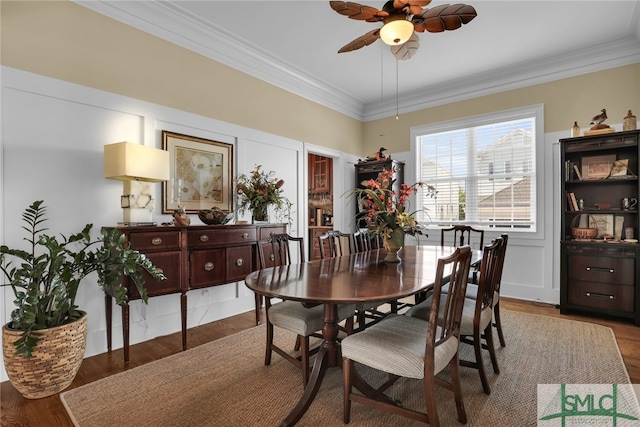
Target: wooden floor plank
x=17, y=411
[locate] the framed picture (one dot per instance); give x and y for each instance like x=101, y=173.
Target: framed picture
x=201, y=174
x=604, y=224
x=597, y=167
x=619, y=167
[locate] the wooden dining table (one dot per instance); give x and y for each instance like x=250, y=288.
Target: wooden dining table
x=355, y=278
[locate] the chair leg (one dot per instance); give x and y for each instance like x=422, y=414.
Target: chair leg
x=304, y=358
x=267, y=356
x=258, y=299
x=457, y=389
x=347, y=365
x=498, y=323
x=430, y=401
x=296, y=347
x=488, y=336
x=477, y=348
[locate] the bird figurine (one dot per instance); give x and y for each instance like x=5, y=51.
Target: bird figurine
x=598, y=120
x=378, y=155
x=180, y=217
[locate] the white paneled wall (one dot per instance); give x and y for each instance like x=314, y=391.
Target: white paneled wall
x=53, y=134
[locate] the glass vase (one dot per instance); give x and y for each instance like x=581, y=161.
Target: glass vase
x=393, y=245
x=260, y=214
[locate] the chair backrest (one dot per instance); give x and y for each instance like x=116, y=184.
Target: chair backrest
x=444, y=321
x=460, y=235
x=505, y=238
x=336, y=243
x=366, y=241
x=327, y=243
x=277, y=250
x=490, y=271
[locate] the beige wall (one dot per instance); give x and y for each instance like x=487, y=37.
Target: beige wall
x=565, y=101
x=71, y=43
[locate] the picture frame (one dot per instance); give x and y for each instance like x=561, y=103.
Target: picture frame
x=597, y=167
x=619, y=168
x=200, y=176
x=604, y=224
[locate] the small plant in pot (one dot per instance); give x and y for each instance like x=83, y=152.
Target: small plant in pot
x=45, y=279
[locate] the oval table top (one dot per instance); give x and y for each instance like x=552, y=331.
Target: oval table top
x=361, y=277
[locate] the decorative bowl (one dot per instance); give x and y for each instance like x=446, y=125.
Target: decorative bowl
x=215, y=216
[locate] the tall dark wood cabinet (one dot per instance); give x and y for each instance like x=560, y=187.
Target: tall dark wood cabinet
x=600, y=274
x=370, y=170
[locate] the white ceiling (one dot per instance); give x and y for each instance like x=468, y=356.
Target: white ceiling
x=294, y=45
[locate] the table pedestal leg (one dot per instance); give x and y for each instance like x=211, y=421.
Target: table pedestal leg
x=328, y=356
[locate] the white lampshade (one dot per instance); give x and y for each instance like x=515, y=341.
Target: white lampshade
x=132, y=163
x=396, y=31
x=128, y=161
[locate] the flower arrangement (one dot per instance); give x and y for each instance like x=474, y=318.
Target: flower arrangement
x=386, y=209
x=258, y=190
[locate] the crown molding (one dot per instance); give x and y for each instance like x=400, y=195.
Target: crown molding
x=597, y=58
x=164, y=20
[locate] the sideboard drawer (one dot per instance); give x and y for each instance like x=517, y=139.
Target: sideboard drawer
x=169, y=264
x=239, y=262
x=207, y=267
x=602, y=269
x=265, y=232
x=155, y=241
x=222, y=237
x=602, y=295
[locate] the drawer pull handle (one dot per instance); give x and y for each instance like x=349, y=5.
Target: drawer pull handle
x=208, y=266
x=204, y=238
x=272, y=257
x=156, y=241
x=601, y=270
x=589, y=294
x=239, y=262
x=245, y=235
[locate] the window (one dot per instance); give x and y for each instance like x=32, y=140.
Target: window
x=484, y=169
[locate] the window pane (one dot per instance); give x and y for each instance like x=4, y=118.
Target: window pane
x=485, y=174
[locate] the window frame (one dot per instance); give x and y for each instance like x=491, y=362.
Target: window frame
x=535, y=111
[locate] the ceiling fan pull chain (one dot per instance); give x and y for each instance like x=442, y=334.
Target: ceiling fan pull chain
x=397, y=85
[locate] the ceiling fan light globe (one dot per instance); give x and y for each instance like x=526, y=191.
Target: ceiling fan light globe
x=396, y=32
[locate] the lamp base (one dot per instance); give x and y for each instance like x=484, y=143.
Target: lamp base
x=137, y=215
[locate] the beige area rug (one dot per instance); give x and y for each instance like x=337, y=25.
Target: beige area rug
x=225, y=383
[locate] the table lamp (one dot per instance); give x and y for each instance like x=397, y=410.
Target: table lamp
x=137, y=166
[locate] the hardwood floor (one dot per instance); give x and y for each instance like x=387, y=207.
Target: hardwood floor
x=17, y=411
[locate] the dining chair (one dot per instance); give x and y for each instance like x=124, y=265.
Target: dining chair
x=336, y=243
x=477, y=312
x=366, y=241
x=472, y=292
x=328, y=245
x=404, y=346
x=304, y=321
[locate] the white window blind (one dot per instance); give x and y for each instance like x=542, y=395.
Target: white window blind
x=484, y=171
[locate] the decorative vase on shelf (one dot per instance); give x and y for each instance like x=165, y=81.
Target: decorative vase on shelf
x=393, y=245
x=260, y=214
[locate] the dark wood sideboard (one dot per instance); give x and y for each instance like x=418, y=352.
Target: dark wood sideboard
x=191, y=257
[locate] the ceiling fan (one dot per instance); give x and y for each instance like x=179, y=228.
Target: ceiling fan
x=400, y=19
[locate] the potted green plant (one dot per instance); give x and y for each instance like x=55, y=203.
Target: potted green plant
x=45, y=279
x=259, y=190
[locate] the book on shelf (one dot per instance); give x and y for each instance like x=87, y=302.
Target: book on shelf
x=577, y=170
x=573, y=203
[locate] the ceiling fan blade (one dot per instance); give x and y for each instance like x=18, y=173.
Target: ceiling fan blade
x=361, y=41
x=358, y=11
x=413, y=7
x=444, y=17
